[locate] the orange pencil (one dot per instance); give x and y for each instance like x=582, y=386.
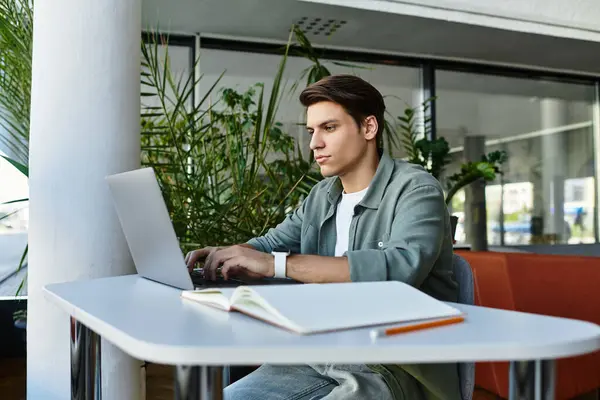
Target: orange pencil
x=376, y=333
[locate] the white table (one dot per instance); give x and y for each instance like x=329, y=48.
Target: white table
x=151, y=322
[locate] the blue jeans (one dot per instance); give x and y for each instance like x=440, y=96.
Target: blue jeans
x=303, y=382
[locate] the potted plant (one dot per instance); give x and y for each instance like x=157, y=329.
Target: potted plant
x=226, y=167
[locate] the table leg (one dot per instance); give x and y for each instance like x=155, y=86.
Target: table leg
x=198, y=383
x=86, y=379
x=532, y=380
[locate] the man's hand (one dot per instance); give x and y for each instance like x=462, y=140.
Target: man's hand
x=233, y=260
x=196, y=256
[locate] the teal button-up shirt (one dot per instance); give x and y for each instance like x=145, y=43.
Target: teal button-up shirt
x=400, y=231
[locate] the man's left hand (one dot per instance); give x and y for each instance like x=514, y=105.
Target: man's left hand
x=242, y=260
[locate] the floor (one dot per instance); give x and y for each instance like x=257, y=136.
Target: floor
x=159, y=380
x=12, y=378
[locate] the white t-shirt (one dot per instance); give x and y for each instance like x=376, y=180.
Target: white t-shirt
x=343, y=218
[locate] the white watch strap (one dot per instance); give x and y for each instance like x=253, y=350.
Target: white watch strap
x=280, y=265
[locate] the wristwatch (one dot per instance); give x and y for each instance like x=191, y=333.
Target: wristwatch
x=280, y=262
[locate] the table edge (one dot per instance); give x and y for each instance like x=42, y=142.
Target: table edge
x=226, y=355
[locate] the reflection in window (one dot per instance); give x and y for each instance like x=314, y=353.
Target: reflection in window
x=400, y=86
x=547, y=193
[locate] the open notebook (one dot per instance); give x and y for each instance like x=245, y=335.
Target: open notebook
x=314, y=308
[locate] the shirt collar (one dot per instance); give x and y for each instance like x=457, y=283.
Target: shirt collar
x=376, y=188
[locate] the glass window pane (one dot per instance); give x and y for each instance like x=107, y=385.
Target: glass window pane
x=179, y=59
x=14, y=217
x=400, y=86
x=545, y=127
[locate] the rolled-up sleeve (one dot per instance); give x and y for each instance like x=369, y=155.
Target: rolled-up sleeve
x=285, y=235
x=416, y=237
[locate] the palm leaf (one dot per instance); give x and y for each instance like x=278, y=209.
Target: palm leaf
x=14, y=201
x=21, y=265
x=16, y=43
x=24, y=169
x=10, y=214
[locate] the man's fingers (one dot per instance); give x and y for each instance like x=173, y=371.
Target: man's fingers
x=188, y=255
x=194, y=256
x=230, y=266
x=210, y=267
x=213, y=261
x=216, y=259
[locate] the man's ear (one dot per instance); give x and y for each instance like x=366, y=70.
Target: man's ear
x=371, y=127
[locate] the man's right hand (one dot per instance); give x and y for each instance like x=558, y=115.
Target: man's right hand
x=206, y=254
x=193, y=257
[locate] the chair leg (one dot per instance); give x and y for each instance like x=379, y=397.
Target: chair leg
x=226, y=376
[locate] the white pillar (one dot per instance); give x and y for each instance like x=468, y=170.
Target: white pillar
x=554, y=114
x=85, y=124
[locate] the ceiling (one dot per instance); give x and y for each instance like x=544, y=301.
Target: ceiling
x=270, y=20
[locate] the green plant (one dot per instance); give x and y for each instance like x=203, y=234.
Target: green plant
x=216, y=160
x=431, y=154
x=487, y=168
x=304, y=48
x=434, y=154
x=16, y=43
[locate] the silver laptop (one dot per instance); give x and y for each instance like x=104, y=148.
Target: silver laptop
x=150, y=235
x=148, y=229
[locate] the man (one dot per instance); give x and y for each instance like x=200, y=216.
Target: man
x=370, y=219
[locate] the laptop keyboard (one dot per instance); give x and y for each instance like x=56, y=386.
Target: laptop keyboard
x=201, y=283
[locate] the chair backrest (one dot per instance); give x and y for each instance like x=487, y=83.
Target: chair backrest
x=466, y=295
x=464, y=276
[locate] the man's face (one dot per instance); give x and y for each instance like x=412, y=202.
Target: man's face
x=337, y=142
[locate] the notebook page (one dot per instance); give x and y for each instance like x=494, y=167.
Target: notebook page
x=213, y=297
x=257, y=311
x=333, y=306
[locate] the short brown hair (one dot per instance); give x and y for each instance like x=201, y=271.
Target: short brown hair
x=358, y=97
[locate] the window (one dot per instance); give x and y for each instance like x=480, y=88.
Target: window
x=180, y=66
x=546, y=128
x=547, y=193
x=14, y=217
x=400, y=86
